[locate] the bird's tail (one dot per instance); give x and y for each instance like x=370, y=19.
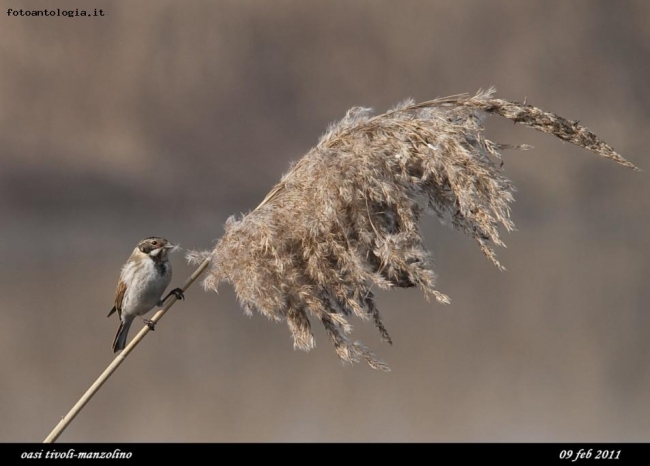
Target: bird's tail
x=120, y=337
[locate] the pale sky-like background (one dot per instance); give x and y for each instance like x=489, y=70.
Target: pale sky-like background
x=166, y=117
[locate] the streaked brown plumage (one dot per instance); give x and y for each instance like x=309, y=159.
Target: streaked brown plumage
x=143, y=280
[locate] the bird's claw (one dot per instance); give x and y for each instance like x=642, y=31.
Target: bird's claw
x=177, y=292
x=150, y=323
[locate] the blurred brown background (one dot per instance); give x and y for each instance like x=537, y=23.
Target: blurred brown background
x=164, y=118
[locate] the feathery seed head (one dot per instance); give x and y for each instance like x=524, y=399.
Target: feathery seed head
x=345, y=218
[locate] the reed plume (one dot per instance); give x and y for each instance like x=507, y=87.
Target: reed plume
x=345, y=218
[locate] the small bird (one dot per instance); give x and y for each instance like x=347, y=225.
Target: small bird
x=143, y=280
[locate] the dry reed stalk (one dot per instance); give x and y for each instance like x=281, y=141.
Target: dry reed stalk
x=119, y=359
x=346, y=217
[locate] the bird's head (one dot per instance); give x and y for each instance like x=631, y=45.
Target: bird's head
x=155, y=247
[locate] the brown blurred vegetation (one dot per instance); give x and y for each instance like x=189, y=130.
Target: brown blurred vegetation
x=164, y=118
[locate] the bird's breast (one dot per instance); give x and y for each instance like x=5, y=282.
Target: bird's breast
x=146, y=281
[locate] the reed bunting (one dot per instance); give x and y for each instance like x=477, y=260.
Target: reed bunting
x=143, y=279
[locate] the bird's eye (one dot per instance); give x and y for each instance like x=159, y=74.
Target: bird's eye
x=155, y=243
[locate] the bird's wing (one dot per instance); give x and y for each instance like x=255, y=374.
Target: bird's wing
x=119, y=297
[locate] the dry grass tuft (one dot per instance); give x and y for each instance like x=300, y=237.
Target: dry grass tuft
x=345, y=218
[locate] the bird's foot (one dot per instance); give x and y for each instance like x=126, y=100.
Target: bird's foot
x=150, y=323
x=176, y=292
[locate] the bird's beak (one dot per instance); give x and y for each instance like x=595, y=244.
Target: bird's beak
x=171, y=246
